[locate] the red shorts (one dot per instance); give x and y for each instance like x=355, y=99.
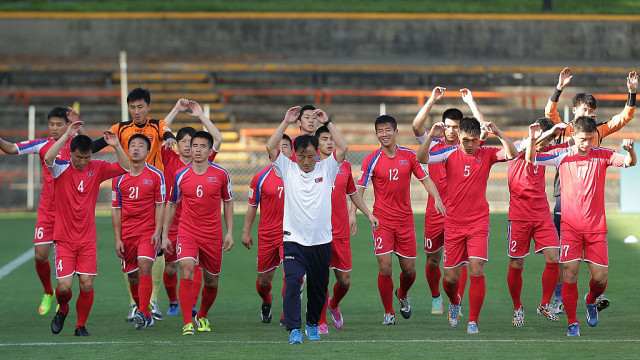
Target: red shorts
x=395, y=237
x=44, y=229
x=134, y=248
x=207, y=251
x=75, y=258
x=594, y=247
x=341, y=254
x=462, y=243
x=520, y=232
x=173, y=257
x=433, y=236
x=269, y=254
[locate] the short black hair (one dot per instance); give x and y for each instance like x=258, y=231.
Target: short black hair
x=305, y=108
x=187, y=130
x=139, y=94
x=82, y=143
x=140, y=136
x=58, y=112
x=585, y=124
x=545, y=123
x=203, y=135
x=470, y=125
x=288, y=138
x=303, y=141
x=383, y=119
x=584, y=98
x=322, y=129
x=453, y=114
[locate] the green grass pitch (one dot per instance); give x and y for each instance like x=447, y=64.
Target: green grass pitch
x=238, y=333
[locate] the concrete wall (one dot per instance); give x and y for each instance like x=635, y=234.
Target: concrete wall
x=454, y=40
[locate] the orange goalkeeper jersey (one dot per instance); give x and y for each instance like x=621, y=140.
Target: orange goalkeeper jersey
x=155, y=130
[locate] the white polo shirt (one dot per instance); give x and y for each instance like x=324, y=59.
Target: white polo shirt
x=307, y=200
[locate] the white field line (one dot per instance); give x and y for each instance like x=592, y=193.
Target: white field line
x=320, y=342
x=15, y=263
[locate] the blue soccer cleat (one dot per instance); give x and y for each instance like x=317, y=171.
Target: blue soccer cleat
x=295, y=336
x=312, y=332
x=173, y=308
x=574, y=330
x=592, y=312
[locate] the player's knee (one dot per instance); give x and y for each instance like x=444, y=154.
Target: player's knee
x=263, y=281
x=433, y=262
x=516, y=263
x=344, y=281
x=64, y=289
x=170, y=269
x=86, y=285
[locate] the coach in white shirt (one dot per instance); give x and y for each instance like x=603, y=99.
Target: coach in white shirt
x=307, y=220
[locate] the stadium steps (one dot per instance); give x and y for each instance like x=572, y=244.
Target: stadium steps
x=167, y=87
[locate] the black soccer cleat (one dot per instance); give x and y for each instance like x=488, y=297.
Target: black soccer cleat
x=602, y=303
x=58, y=322
x=265, y=313
x=81, y=331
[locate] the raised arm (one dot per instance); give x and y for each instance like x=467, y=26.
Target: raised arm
x=341, y=143
x=534, y=130
x=196, y=111
x=112, y=139
x=550, y=109
x=468, y=99
x=630, y=159
x=510, y=149
x=181, y=105
x=272, y=144
x=422, y=156
x=418, y=122
x=619, y=120
x=54, y=150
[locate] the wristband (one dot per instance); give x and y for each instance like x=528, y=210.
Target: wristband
x=631, y=101
x=330, y=121
x=556, y=95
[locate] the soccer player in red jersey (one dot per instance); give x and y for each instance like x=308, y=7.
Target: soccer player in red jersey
x=343, y=224
x=58, y=123
x=77, y=182
x=389, y=170
x=200, y=187
x=582, y=170
x=137, y=214
x=174, y=162
x=529, y=217
x=584, y=104
x=433, y=221
x=467, y=220
x=267, y=192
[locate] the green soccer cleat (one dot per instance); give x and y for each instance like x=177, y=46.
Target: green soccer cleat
x=188, y=329
x=45, y=304
x=202, y=324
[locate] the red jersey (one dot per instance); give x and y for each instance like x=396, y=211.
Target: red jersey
x=339, y=208
x=137, y=196
x=76, y=193
x=201, y=196
x=267, y=191
x=172, y=165
x=47, y=206
x=582, y=178
x=391, y=179
x=467, y=177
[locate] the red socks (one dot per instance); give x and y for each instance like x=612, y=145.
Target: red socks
x=135, y=293
x=186, y=299
x=594, y=291
x=452, y=292
x=385, y=287
x=144, y=294
x=63, y=301
x=264, y=292
x=338, y=293
x=570, y=300
x=171, y=285
x=549, y=280
x=462, y=281
x=405, y=284
x=44, y=273
x=208, y=297
x=514, y=280
x=83, y=306
x=433, y=279
x=197, y=284
x=477, y=291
